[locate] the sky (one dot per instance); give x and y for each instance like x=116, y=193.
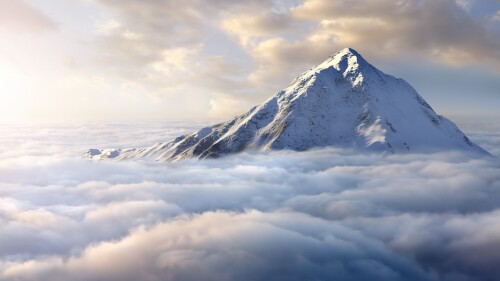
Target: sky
x=167, y=60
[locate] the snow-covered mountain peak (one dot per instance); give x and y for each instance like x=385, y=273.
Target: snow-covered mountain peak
x=346, y=59
x=344, y=102
x=347, y=65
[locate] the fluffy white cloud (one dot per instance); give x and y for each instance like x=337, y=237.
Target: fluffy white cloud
x=278, y=216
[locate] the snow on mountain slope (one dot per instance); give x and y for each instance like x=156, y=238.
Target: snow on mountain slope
x=344, y=102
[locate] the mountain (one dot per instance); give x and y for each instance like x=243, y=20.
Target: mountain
x=343, y=102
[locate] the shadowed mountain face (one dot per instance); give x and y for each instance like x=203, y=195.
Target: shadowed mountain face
x=344, y=102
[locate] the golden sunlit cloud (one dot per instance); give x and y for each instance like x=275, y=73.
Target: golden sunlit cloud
x=73, y=65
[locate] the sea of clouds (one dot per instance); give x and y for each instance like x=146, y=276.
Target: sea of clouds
x=324, y=214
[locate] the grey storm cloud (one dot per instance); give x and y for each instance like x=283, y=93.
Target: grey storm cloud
x=312, y=215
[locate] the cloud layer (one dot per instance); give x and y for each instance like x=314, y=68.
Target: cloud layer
x=314, y=215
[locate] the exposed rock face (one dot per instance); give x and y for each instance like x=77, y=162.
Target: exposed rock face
x=344, y=102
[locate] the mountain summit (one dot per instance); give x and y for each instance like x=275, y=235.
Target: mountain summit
x=343, y=102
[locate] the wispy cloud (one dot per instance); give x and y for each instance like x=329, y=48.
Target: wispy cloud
x=21, y=16
x=496, y=17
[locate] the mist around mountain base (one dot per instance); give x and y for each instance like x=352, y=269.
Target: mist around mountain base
x=321, y=214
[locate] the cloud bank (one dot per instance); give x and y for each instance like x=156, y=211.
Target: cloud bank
x=317, y=215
